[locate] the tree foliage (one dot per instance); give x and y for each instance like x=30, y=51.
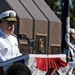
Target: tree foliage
x=73, y=14
x=56, y=6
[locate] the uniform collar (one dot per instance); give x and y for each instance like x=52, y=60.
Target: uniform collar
x=3, y=34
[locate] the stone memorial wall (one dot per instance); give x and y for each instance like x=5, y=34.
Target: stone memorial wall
x=38, y=22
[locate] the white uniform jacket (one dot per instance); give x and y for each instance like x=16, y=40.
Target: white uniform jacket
x=8, y=47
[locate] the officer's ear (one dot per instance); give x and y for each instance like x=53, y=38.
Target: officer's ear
x=1, y=25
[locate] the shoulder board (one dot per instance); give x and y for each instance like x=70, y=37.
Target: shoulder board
x=14, y=35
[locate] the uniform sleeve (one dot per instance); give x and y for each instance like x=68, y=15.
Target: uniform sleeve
x=18, y=51
x=68, y=42
x=2, y=58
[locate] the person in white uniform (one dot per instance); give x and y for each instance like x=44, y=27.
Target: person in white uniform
x=8, y=43
x=71, y=51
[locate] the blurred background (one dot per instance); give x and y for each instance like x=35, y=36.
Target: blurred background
x=56, y=6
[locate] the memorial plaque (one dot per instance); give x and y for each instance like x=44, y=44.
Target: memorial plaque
x=41, y=42
x=55, y=49
x=24, y=47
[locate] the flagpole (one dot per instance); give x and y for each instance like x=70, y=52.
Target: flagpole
x=65, y=19
x=68, y=23
x=67, y=36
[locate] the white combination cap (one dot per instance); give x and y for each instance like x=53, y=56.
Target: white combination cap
x=9, y=15
x=72, y=30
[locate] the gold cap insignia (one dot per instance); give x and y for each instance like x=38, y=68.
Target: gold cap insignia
x=11, y=14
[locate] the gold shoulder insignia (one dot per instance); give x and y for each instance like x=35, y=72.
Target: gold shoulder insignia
x=14, y=35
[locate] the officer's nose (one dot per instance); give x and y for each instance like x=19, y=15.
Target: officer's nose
x=11, y=27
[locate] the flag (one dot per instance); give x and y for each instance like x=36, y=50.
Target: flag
x=44, y=64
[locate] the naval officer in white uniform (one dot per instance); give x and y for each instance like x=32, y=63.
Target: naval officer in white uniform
x=8, y=43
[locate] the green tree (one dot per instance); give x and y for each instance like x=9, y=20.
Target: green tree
x=72, y=17
x=56, y=6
